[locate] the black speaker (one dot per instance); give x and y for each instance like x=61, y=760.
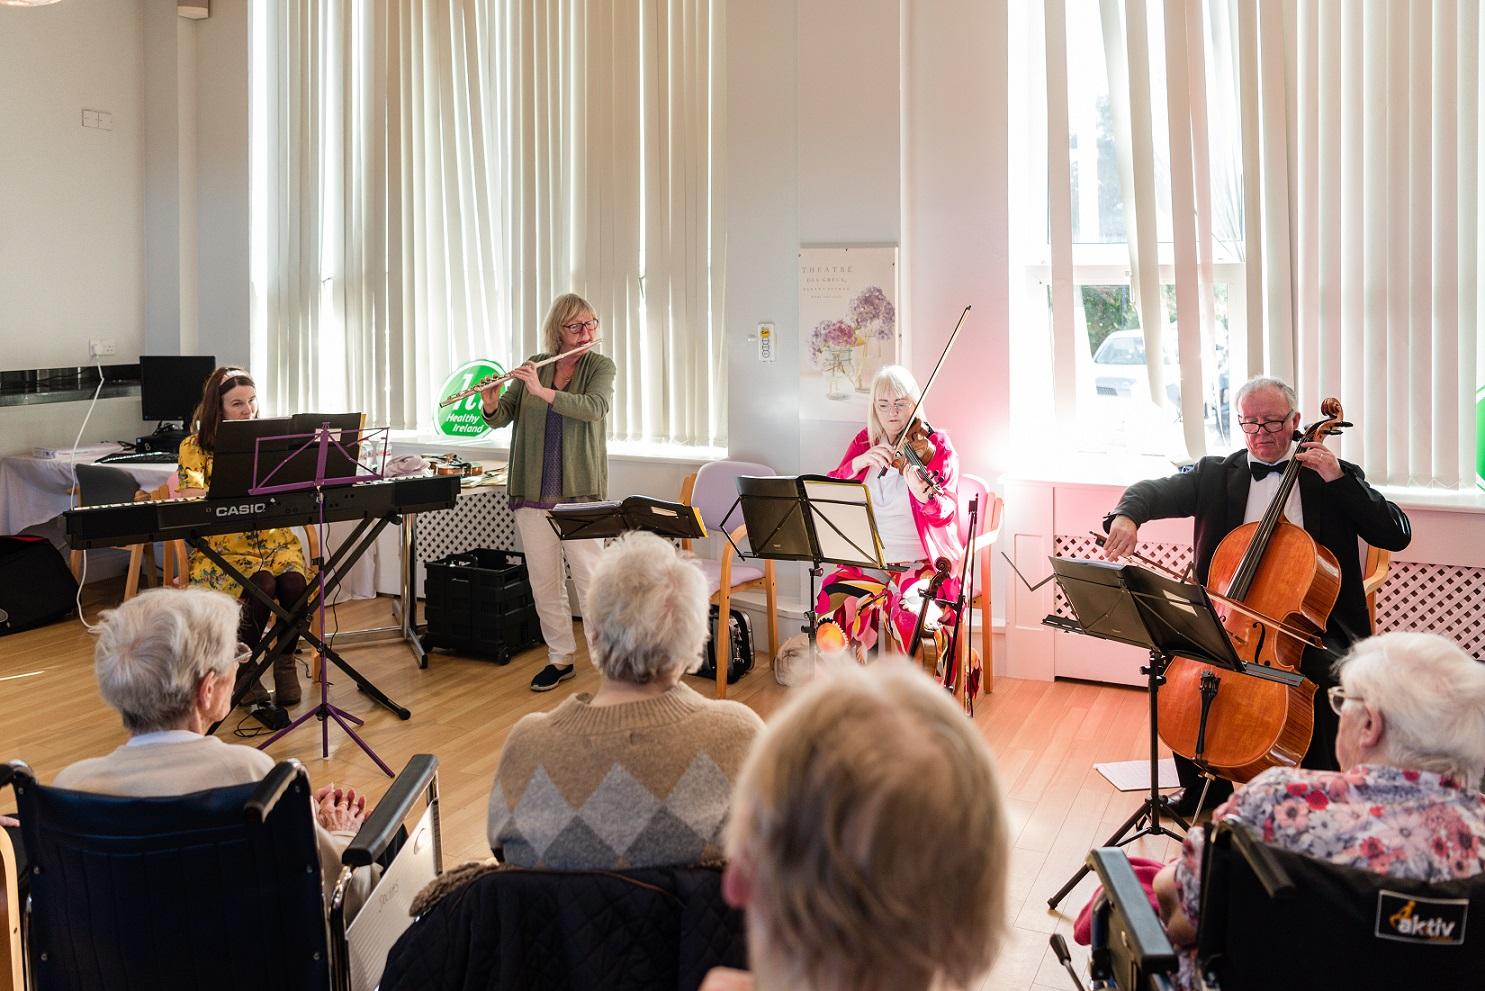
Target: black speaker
x=36, y=586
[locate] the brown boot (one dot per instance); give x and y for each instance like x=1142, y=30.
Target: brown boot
x=286, y=681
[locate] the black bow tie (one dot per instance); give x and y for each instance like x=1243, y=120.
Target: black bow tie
x=1261, y=471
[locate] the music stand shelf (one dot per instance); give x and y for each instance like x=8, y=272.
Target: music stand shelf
x=592, y=520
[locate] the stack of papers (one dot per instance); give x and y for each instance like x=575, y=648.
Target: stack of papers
x=87, y=452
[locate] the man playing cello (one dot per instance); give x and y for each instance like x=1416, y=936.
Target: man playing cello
x=1332, y=502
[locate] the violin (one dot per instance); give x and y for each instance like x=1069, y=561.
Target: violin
x=915, y=450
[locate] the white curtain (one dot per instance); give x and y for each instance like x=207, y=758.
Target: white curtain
x=439, y=170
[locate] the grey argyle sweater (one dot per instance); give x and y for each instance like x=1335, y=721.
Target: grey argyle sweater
x=643, y=784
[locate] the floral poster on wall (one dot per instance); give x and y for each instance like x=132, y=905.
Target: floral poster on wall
x=848, y=327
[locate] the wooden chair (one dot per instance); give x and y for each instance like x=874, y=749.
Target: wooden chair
x=712, y=489
x=978, y=546
x=11, y=978
x=1373, y=573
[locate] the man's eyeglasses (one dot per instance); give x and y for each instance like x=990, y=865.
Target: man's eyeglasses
x=1272, y=426
x=890, y=406
x=581, y=325
x=1337, y=697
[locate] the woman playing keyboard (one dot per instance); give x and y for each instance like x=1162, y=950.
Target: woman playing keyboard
x=272, y=559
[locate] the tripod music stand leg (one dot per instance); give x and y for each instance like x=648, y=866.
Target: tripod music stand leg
x=362, y=682
x=1152, y=807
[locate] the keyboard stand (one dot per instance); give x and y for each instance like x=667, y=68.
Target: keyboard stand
x=297, y=621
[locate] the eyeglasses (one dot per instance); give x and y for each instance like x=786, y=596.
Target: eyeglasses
x=1272, y=426
x=1337, y=697
x=581, y=325
x=894, y=406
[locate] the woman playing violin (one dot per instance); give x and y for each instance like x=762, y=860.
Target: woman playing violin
x=916, y=516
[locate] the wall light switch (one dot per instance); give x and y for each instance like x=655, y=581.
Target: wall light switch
x=765, y=342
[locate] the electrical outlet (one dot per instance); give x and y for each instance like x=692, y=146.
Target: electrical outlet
x=101, y=347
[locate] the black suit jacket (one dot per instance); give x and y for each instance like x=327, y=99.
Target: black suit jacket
x=1215, y=493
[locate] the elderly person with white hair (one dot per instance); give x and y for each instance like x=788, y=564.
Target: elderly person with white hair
x=868, y=843
x=638, y=774
x=1406, y=802
x=166, y=661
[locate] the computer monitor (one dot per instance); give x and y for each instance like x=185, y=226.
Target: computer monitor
x=170, y=385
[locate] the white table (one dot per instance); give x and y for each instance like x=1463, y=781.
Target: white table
x=34, y=490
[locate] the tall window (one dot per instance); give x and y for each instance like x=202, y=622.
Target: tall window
x=1094, y=239
x=429, y=174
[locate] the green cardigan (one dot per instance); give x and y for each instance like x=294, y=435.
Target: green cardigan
x=582, y=406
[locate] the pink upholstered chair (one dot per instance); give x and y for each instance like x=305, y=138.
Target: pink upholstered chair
x=712, y=489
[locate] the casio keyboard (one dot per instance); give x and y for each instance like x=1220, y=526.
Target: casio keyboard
x=373, y=505
x=127, y=523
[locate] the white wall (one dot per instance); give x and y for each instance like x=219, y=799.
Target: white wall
x=71, y=198
x=873, y=121
x=139, y=234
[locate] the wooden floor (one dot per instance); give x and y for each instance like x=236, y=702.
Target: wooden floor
x=1046, y=737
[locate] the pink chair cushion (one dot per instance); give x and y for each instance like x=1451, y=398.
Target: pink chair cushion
x=716, y=490
x=740, y=573
x=969, y=487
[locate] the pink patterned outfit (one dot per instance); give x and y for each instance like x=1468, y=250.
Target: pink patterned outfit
x=1403, y=823
x=857, y=598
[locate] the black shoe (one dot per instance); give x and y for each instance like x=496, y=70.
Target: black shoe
x=1183, y=802
x=550, y=677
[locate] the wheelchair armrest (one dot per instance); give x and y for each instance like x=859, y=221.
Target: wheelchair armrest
x=381, y=825
x=15, y=769
x=1147, y=940
x=284, y=774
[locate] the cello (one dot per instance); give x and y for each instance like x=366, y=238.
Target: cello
x=1273, y=587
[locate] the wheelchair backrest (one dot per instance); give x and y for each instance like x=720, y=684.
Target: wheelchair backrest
x=1271, y=918
x=185, y=892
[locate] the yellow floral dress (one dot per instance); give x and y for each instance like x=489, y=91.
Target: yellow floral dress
x=275, y=551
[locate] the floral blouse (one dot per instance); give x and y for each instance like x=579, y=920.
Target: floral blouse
x=275, y=551
x=1411, y=824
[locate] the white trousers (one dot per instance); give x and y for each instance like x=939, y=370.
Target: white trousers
x=544, y=565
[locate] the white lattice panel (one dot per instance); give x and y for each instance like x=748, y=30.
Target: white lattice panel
x=481, y=518
x=1437, y=598
x=1176, y=557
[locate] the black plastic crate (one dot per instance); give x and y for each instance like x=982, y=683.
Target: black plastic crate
x=479, y=602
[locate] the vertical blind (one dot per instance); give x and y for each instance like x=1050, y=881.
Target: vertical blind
x=1360, y=127
x=439, y=170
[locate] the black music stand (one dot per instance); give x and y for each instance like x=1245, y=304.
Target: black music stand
x=1128, y=604
x=304, y=457
x=811, y=518
x=590, y=520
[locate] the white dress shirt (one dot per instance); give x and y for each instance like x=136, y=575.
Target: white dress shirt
x=1261, y=493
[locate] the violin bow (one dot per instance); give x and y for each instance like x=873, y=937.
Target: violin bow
x=1279, y=626
x=923, y=392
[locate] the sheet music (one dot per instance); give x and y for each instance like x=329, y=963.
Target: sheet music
x=852, y=537
x=384, y=917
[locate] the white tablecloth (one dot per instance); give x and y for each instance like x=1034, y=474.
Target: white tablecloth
x=35, y=490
